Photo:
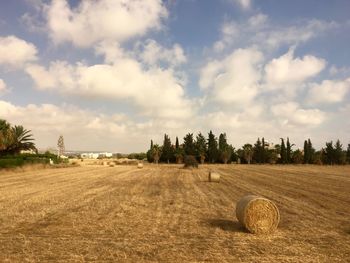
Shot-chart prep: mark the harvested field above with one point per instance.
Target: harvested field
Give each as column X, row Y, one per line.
column 169, row 214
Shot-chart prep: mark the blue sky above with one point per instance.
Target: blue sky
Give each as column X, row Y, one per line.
column 111, row 74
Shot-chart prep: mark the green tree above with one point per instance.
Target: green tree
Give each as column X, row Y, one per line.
column 177, row 143
column 289, row 151
column 306, row 152
column 189, row 145
column 297, row 157
column 329, row 153
column 263, row 151
column 283, row 152
column 271, row 156
column 5, row 135
column 339, row 155
column 156, row 153
column 179, row 155
column 150, row 153
column 15, row 139
column 348, row 154
column 311, row 151
column 225, row 150
column 257, row 151
column 201, row 147
column 212, row 148
column 167, row 150
column 248, row 152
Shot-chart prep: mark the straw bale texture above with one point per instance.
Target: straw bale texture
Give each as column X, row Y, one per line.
column 257, row 214
column 214, row 177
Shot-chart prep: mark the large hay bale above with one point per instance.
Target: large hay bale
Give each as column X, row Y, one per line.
column 139, row 165
column 214, row 177
column 257, row 214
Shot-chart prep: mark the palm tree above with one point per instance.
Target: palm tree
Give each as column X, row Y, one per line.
column 156, row 152
column 21, row 139
column 5, row 135
column 248, row 152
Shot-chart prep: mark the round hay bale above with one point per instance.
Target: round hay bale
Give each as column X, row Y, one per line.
column 214, row 177
column 140, row 165
column 257, row 214
column 104, row 163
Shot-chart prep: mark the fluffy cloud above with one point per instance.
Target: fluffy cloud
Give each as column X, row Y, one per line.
column 15, row 52
column 152, row 53
column 48, row 121
column 244, row 4
column 234, row 79
column 125, row 79
column 259, row 30
column 287, row 70
column 291, row 114
column 229, row 31
column 329, row 91
column 294, row 34
column 3, row 87
column 94, row 21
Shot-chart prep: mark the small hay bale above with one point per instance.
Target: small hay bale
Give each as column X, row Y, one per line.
column 214, row 177
column 111, row 164
column 140, row 165
column 257, row 214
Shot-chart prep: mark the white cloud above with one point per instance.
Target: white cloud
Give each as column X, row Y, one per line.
column 294, row 34
column 235, row 79
column 259, row 30
column 124, row 80
column 95, row 21
column 291, row 114
column 287, row 70
column 48, row 121
column 244, row 4
column 229, row 32
column 152, row 53
column 329, row 91
column 16, row 52
column 3, row 87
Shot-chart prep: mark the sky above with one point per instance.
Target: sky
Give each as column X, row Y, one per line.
column 110, row 75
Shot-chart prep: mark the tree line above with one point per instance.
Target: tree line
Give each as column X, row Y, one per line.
column 212, row 149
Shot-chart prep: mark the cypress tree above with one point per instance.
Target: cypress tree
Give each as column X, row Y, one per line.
column 329, row 153
column 189, row 146
column 212, row 147
column 283, row 152
column 257, row 151
column 306, row 152
column 348, row 154
column 224, row 149
column 263, row 151
column 149, row 153
column 338, row 153
column 288, row 152
column 167, row 150
column 177, row 143
column 311, row 151
column 201, row 147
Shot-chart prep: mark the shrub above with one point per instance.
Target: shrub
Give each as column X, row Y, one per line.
column 190, row 161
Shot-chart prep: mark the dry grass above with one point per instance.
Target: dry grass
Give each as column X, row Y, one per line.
column 169, row 214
